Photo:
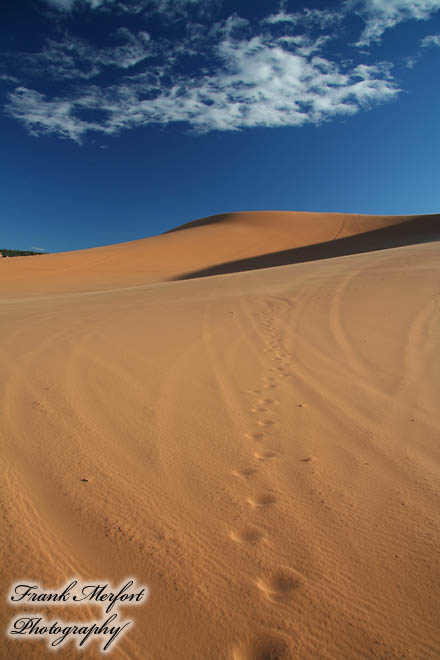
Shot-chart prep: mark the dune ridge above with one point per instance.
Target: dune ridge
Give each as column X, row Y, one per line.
column 260, row 448
column 218, row 244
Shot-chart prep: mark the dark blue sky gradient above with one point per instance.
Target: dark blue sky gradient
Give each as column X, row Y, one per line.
column 60, row 195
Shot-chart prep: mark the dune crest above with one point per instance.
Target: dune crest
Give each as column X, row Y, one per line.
column 219, row 244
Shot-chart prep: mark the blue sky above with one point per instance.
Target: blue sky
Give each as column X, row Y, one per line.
column 123, row 118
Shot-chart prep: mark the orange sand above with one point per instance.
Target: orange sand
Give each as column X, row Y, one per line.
column 261, row 447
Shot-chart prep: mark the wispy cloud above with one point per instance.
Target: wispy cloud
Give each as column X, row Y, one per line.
column 40, row 116
column 323, row 18
column 430, row 40
column 411, row 61
column 169, row 8
column 61, row 5
column 72, row 58
column 256, row 82
column 37, row 249
column 381, row 15
column 68, row 5
column 222, row 75
column 7, row 78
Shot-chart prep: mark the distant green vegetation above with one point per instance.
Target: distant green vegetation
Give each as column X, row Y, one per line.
column 18, row 253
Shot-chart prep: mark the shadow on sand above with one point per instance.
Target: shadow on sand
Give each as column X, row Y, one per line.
column 420, row 229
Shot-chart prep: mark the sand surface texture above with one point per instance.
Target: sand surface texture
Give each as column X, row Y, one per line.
column 260, row 447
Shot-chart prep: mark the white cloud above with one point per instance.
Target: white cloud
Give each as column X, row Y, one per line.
column 256, row 82
column 322, row 18
column 37, row 249
column 224, row 75
column 41, row 116
column 169, row 8
column 68, row 5
column 61, row 5
column 381, row 15
column 7, row 78
column 411, row 61
column 74, row 59
column 431, row 40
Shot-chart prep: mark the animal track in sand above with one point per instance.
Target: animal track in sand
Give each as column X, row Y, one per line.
column 266, row 422
column 309, row 459
column 266, row 455
column 248, row 535
column 258, row 409
column 269, row 402
column 258, row 435
column 265, row 647
column 263, row 500
column 280, row 585
column 244, row 473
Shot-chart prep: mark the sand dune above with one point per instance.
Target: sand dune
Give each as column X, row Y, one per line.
column 211, row 246
column 261, row 448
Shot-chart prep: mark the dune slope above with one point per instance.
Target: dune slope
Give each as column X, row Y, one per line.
column 211, row 246
column 260, row 448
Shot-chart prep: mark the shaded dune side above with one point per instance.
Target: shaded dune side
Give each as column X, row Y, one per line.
column 422, row 229
column 218, row 244
column 200, row 222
